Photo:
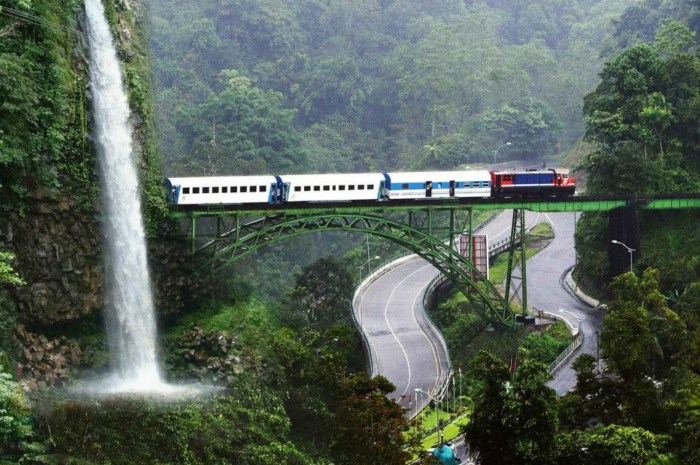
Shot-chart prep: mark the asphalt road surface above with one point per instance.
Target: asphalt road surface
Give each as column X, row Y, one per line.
column 547, row 291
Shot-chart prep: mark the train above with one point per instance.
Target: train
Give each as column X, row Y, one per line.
column 369, row 187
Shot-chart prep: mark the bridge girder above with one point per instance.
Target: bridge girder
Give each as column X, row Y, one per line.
column 246, row 237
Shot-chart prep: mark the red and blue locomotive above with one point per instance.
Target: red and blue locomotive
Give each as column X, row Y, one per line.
column 532, row 183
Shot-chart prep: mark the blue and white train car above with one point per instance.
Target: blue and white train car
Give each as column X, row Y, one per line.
column 333, row 187
column 438, row 184
column 225, row 190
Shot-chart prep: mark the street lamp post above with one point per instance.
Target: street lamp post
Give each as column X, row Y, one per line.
column 496, row 151
column 368, row 264
column 460, row 387
column 630, row 250
column 435, row 403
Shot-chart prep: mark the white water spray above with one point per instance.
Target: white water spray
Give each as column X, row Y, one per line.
column 130, row 317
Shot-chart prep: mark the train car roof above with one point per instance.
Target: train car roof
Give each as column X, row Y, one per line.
column 523, row 170
column 440, row 176
column 209, row 180
column 335, row 177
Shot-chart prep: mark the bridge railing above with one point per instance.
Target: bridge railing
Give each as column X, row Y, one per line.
column 578, row 340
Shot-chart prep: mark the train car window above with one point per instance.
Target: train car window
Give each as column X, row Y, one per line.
column 253, row 188
column 360, row 187
column 326, row 188
column 370, row 186
column 244, row 188
column 333, row 187
column 263, row 188
column 317, row 188
column 404, row 186
column 224, row 190
column 214, row 190
column 307, row 188
column 234, row 189
column 341, row 188
column 185, row 190
column 205, row 190
column 351, row 187
column 297, row 188
column 195, row 190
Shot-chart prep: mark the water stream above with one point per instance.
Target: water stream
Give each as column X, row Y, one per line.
column 129, row 314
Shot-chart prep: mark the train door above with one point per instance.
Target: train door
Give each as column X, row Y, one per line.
column 173, row 193
column 452, row 188
column 279, row 191
column 382, row 194
column 428, row 188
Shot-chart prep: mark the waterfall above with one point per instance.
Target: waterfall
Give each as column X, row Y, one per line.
column 129, row 314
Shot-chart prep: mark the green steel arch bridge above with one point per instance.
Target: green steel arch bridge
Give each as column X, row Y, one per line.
column 221, row 234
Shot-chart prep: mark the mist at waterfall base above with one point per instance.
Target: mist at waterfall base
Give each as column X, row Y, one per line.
column 129, row 315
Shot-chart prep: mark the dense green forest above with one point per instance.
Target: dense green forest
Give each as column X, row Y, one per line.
column 353, row 86
column 262, row 86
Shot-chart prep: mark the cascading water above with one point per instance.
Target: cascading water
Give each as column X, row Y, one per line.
column 130, row 317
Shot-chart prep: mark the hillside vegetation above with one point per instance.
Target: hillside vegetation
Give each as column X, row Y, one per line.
column 249, row 87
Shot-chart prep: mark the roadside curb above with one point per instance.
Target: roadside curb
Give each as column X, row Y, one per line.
column 582, row 296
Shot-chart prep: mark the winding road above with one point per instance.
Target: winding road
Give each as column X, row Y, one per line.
column 404, row 345
column 408, row 350
column 547, row 291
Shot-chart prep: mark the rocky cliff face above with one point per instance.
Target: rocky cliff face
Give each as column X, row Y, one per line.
column 59, row 255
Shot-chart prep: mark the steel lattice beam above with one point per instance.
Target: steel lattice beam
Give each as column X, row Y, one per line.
column 249, row 237
column 516, row 283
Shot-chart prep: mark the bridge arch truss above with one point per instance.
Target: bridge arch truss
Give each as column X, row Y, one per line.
column 245, row 234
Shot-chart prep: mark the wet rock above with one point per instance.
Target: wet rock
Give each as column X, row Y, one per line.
column 44, row 362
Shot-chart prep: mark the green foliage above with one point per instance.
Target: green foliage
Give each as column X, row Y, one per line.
column 7, row 274
column 15, row 421
column 321, row 297
column 369, row 426
column 528, row 124
column 671, row 246
column 246, row 425
column 546, row 347
column 613, row 445
column 42, row 114
column 640, row 333
column 688, row 305
column 685, row 437
column 373, row 83
column 239, row 130
column 640, row 117
column 515, row 419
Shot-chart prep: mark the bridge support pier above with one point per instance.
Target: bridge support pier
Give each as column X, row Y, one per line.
column 516, row 276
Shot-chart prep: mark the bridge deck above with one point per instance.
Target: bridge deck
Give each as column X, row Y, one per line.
column 572, row 204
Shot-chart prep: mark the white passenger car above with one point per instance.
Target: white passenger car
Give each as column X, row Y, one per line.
column 438, row 184
column 333, row 187
column 224, row 190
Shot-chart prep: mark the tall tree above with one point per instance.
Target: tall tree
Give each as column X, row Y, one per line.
column 240, row 130
column 369, row 426
column 322, row 295
column 611, row 445
column 515, row 420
